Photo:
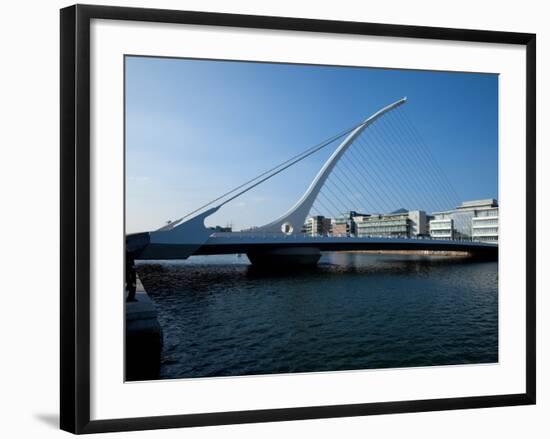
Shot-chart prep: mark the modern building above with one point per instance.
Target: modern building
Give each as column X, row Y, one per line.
column 442, row 228
column 345, row 225
column 459, row 220
column 477, row 219
column 419, row 223
column 485, row 225
column 317, row 226
column 398, row 224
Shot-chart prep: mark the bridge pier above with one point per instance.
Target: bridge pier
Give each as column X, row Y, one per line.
column 285, row 257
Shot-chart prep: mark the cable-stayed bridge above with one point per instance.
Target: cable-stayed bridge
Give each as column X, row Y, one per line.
column 381, row 164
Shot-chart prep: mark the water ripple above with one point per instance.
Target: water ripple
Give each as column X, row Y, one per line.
column 222, row 317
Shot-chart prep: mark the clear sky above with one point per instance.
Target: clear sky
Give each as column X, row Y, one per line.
column 196, row 128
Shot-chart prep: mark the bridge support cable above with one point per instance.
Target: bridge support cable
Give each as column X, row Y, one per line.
column 385, row 168
column 412, row 176
column 382, row 173
column 462, row 222
column 339, row 210
column 329, row 196
column 341, row 193
column 343, row 198
column 382, row 164
column 324, row 207
column 374, row 170
column 394, row 164
column 372, row 179
column 353, row 185
column 350, row 186
column 365, row 177
column 419, row 175
column 346, row 202
column 445, row 199
column 391, row 165
column 336, row 180
column 297, row 214
column 363, row 181
column 434, row 163
column 266, row 175
column 423, row 174
column 362, row 177
column 407, row 123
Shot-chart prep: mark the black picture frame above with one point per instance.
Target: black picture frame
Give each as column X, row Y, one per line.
column 75, row 217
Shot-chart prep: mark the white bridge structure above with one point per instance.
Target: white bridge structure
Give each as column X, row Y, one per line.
column 282, row 241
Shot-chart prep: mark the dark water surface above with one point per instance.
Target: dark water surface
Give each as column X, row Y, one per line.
column 221, row 317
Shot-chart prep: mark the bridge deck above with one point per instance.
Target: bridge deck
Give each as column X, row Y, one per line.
column 234, row 243
column 227, row 244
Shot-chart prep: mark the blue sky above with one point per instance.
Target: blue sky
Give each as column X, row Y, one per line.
column 196, row 128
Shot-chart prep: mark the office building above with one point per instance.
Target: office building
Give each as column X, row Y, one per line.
column 345, row 225
column 485, row 225
column 477, row 219
column 317, row 226
column 442, row 228
column 399, row 224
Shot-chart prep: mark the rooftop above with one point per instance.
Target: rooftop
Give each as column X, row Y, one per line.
column 488, row 202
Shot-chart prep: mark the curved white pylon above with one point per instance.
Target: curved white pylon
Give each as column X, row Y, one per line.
column 181, row 238
column 295, row 217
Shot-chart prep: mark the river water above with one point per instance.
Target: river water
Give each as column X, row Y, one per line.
column 222, row 317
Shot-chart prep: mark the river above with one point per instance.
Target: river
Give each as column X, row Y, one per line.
column 222, row 317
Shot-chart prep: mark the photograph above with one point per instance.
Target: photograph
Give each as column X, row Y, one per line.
column 297, row 218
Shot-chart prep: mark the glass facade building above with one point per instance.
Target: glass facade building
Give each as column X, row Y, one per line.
column 477, row 220
column 401, row 224
column 317, row 226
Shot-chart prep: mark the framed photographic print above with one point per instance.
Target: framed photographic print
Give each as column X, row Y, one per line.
column 268, row 218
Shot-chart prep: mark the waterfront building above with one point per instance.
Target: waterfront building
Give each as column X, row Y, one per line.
column 477, row 219
column 442, row 228
column 398, row 224
column 317, row 226
column 345, row 225
column 485, row 225
column 419, row 223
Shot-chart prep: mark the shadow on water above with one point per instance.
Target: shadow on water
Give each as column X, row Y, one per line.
column 201, row 275
column 282, row 271
column 362, row 264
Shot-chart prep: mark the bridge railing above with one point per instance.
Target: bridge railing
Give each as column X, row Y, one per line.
column 294, row 236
